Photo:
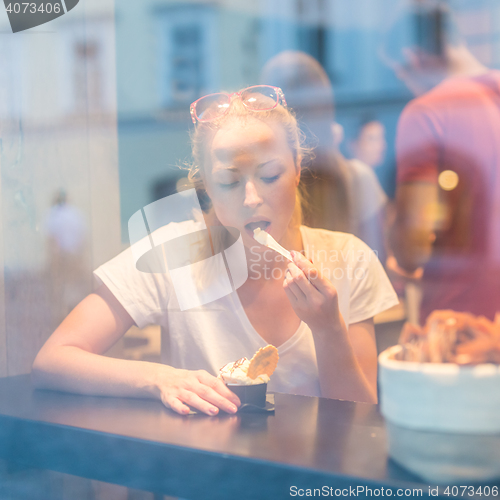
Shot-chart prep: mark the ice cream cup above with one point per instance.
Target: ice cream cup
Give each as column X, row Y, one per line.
column 250, row 394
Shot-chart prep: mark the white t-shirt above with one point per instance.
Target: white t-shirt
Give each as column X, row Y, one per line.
column 209, row 336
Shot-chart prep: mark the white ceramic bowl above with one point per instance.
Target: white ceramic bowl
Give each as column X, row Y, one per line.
column 443, row 419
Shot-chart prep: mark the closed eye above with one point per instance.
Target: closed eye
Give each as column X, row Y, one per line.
column 269, row 180
column 229, row 185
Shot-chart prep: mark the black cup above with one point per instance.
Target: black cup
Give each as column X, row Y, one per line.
column 250, row 394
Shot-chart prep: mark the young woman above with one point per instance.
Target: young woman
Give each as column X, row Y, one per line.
column 317, row 310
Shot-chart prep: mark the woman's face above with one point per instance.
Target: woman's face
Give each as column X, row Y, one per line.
column 371, row 145
column 252, row 178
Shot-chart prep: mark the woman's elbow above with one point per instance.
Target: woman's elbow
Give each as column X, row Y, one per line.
column 41, row 369
column 38, row 370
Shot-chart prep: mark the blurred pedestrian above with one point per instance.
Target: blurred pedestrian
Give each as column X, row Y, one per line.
column 368, row 143
column 448, row 170
column 66, row 234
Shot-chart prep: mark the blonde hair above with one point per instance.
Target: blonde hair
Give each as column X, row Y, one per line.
column 203, row 135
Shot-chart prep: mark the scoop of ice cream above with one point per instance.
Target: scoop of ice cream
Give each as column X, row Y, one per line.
column 260, row 236
column 236, row 373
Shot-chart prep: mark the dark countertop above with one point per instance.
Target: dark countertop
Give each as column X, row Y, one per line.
column 307, row 443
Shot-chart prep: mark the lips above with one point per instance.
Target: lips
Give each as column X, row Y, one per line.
column 262, row 224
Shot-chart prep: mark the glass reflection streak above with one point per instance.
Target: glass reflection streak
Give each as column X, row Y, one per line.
column 203, row 264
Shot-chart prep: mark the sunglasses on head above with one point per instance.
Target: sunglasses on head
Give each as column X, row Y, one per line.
column 256, row 98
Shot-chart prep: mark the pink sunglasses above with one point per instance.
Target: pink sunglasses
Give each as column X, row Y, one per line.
column 256, row 98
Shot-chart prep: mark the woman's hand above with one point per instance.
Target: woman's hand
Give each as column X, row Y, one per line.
column 180, row 389
column 347, row 369
column 313, row 298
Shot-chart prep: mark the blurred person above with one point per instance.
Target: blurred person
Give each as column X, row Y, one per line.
column 66, row 232
column 346, row 195
column 367, row 147
column 247, row 165
column 368, row 144
column 448, row 170
column 310, row 94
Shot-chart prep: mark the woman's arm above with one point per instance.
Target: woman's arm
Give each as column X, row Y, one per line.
column 347, row 357
column 347, row 362
column 71, row 360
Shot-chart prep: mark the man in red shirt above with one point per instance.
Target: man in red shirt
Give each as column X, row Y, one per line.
column 448, row 166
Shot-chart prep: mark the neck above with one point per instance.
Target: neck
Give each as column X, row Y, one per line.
column 461, row 62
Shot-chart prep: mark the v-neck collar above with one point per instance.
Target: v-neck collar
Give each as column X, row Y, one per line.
column 240, row 311
column 247, row 324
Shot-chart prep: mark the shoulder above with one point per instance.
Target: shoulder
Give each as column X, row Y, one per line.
column 454, row 89
column 142, row 244
column 137, row 276
column 325, row 236
column 353, row 267
column 323, row 239
column 177, row 229
column 359, row 169
column 424, row 105
column 363, row 172
column 421, row 121
column 439, row 97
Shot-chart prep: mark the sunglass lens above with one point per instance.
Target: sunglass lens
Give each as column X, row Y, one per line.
column 260, row 98
column 211, row 107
